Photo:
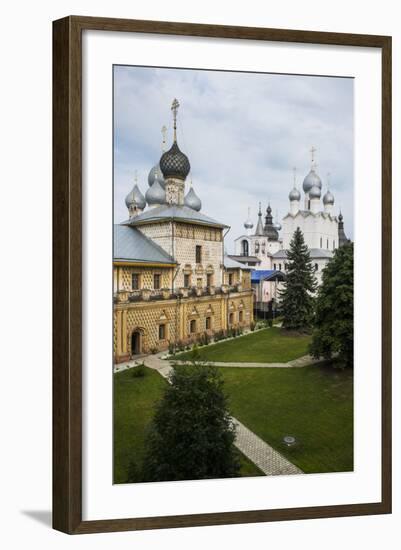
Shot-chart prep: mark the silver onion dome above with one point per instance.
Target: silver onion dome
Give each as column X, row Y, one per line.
column 328, row 198
column 314, row 192
column 156, row 170
column 248, row 223
column 135, row 196
column 294, row 195
column 192, row 200
column 311, row 180
column 156, row 194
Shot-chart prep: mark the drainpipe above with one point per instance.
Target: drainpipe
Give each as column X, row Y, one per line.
column 222, row 259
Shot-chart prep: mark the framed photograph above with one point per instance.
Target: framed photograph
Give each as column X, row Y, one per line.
column 222, row 274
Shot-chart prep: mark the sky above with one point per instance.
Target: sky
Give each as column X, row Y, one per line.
column 243, row 134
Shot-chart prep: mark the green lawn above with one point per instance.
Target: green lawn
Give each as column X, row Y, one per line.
column 272, row 345
column 314, row 404
column 134, row 401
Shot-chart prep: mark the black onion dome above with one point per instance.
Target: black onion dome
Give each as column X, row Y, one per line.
column 174, row 163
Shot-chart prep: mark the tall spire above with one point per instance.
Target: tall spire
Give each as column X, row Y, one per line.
column 269, row 230
column 259, row 227
column 342, row 237
column 174, row 108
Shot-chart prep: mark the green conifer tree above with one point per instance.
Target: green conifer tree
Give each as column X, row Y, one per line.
column 192, row 435
column 334, row 323
column 297, row 297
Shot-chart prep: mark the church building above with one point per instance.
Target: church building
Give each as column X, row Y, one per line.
column 265, row 249
column 172, row 280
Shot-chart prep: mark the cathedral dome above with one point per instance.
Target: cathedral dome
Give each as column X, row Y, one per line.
column 152, row 176
column 135, row 196
column 174, row 163
column 192, row 200
column 294, row 195
column 248, row 223
column 314, row 192
column 328, row 198
column 311, row 180
column 156, row 194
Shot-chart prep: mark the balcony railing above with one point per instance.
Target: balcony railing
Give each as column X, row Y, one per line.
column 147, row 295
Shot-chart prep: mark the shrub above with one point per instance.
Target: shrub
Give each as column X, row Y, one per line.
column 153, row 350
column 171, row 348
column 139, row 371
column 252, row 326
column 195, row 353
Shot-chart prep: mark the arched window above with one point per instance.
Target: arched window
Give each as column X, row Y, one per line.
column 245, row 248
column 316, row 267
column 256, row 247
column 192, row 326
column 321, row 242
column 327, row 244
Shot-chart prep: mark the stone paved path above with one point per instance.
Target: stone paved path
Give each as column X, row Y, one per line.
column 258, row 451
column 300, row 362
column 265, row 457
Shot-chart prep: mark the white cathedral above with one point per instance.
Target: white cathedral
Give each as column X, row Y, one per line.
column 265, row 248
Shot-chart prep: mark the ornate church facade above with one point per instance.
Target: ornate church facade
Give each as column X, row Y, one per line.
column 172, row 280
column 265, row 248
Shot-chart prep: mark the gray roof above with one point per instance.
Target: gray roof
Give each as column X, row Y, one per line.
column 229, row 263
column 241, row 258
column 313, row 252
column 173, row 212
column 132, row 246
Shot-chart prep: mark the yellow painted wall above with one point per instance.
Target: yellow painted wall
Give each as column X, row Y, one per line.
column 145, row 318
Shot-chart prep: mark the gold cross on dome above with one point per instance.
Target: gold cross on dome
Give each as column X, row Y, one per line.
column 295, row 175
column 136, row 176
column 313, row 151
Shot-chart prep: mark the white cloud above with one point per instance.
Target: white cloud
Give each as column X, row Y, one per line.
column 242, row 132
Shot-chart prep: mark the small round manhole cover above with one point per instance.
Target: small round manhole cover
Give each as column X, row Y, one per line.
column 289, row 440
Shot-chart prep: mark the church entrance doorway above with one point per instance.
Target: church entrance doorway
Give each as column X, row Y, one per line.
column 136, row 343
